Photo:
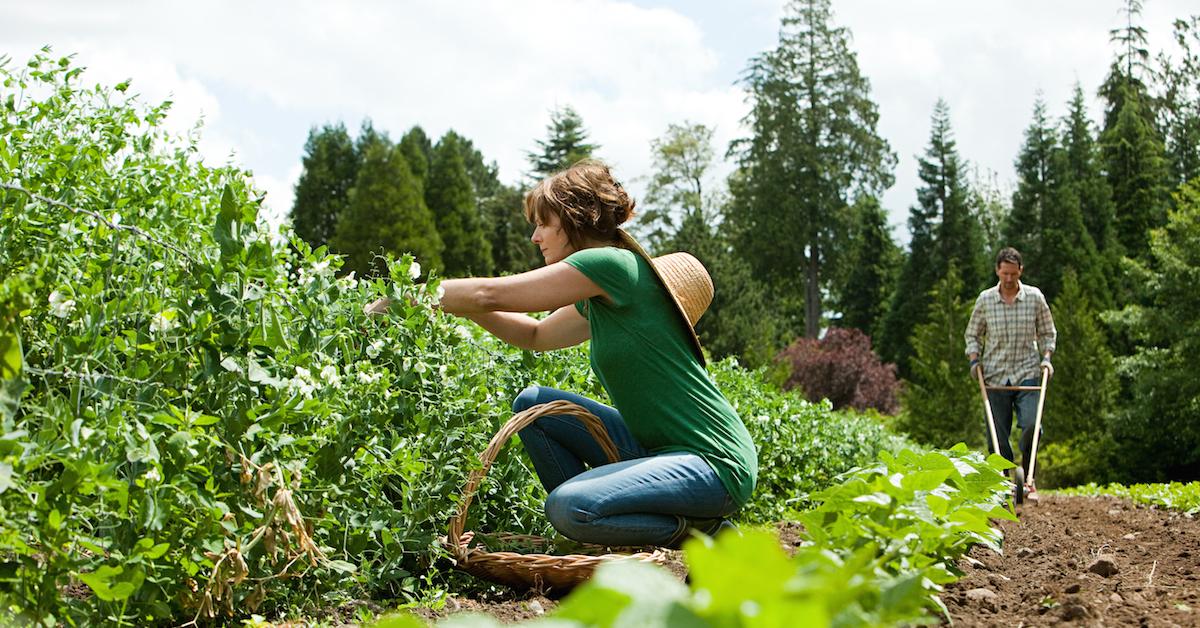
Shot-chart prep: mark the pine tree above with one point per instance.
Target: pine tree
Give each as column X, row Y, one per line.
column 814, row 147
column 946, row 235
column 1082, row 394
column 941, row 404
column 1181, row 103
column 450, row 196
column 330, row 167
column 418, row 153
column 386, row 213
column 1036, row 186
column 565, row 143
column 509, row 232
column 1090, row 188
column 1131, row 146
column 875, row 263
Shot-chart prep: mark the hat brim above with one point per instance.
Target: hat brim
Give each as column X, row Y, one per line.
column 628, row 242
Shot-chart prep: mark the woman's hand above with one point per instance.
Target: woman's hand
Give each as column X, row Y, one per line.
column 377, row 307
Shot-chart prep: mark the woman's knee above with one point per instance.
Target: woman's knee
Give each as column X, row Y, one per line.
column 569, row 511
column 527, row 399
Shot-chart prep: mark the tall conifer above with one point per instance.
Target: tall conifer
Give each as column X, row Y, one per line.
column 330, row 167
column 450, row 195
column 814, row 147
column 386, row 214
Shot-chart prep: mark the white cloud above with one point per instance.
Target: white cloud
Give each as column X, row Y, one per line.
column 262, row 73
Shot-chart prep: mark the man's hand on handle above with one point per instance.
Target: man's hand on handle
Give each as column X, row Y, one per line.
column 1048, row 367
column 975, row 368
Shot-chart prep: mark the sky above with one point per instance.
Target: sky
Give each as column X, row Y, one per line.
column 260, row 75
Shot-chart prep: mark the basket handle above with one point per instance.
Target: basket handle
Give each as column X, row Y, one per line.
column 518, row 422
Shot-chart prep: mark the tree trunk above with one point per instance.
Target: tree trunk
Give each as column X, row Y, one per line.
column 812, row 294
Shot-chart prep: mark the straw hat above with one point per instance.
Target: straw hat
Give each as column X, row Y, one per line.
column 685, row 279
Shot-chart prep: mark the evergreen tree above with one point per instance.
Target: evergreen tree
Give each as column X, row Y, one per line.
column 1158, row 430
column 941, row 404
column 1091, row 190
column 946, row 235
column 1046, row 223
column 508, row 232
column 874, row 265
column 418, row 153
column 386, row 213
column 1181, row 103
column 450, row 195
column 1131, row 146
column 1082, row 394
column 1036, row 185
column 741, row 321
column 814, row 146
column 330, row 167
column 565, row 143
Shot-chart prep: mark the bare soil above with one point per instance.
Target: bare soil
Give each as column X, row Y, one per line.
column 1087, row 562
column 1077, row 561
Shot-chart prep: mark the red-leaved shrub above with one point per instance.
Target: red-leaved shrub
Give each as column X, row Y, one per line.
column 842, row 368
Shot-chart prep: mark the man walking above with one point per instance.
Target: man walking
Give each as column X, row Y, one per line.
column 1012, row 327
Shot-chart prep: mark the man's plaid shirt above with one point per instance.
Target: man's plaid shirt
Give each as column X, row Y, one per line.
column 1010, row 334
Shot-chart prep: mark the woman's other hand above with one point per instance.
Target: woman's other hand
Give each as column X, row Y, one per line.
column 377, row 307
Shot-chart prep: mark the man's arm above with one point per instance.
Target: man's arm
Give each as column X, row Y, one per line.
column 1047, row 334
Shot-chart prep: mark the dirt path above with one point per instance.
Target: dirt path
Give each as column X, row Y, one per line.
column 1084, row 561
column 1078, row 561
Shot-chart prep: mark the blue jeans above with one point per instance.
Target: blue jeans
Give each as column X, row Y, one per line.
column 645, row 499
column 1003, row 403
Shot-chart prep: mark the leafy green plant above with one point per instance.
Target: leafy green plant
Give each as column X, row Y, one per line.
column 877, row 551
column 1184, row 496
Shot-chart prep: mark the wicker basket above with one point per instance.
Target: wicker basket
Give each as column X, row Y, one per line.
column 543, row 572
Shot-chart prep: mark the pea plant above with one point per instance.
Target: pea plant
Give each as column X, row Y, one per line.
column 198, row 421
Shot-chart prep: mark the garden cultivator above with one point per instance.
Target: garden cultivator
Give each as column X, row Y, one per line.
column 1019, row 478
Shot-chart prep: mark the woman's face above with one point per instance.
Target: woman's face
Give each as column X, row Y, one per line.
column 549, row 236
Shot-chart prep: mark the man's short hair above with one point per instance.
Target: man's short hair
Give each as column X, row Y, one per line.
column 1010, row 255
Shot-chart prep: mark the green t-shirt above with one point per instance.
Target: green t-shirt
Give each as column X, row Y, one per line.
column 643, row 357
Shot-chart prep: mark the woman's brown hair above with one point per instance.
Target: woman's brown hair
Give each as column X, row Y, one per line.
column 589, row 202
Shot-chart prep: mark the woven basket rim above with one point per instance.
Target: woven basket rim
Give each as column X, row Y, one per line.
column 532, row 569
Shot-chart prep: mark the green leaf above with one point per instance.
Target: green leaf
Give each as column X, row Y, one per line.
column 11, row 358
column 112, row 584
column 5, row 476
column 342, row 566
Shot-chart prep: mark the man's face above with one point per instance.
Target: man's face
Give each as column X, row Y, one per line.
column 1009, row 273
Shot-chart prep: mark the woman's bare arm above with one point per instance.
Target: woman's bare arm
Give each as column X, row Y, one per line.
column 564, row 328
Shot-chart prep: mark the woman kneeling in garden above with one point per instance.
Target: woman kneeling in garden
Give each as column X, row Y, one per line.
column 687, row 461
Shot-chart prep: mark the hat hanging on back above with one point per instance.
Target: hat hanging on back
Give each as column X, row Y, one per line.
column 685, row 279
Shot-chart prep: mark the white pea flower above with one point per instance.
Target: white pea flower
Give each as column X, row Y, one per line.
column 464, row 332
column 374, row 348
column 442, row 370
column 164, row 322
column 153, row 475
column 414, row 270
column 116, row 219
column 156, row 265
column 441, row 292
column 330, row 376
column 303, row 373
column 321, row 266
column 368, row 378
column 61, row 306
column 348, row 282
column 420, row 367
column 67, row 230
